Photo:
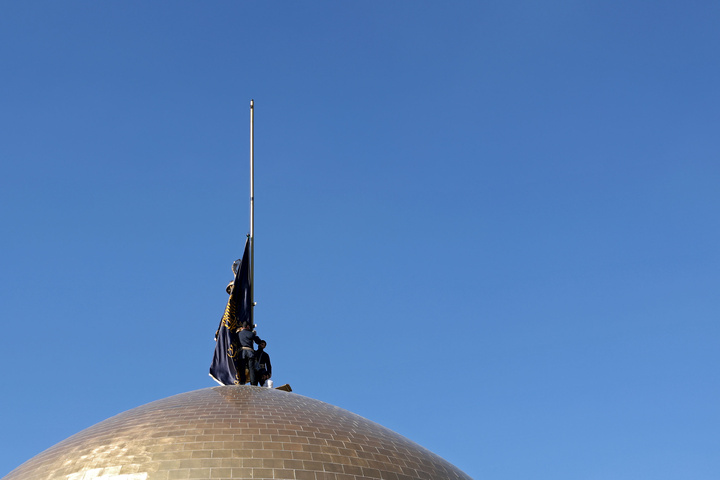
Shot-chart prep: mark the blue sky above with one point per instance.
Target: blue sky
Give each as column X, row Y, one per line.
column 489, row 226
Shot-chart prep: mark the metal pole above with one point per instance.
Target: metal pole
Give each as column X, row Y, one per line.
column 252, row 213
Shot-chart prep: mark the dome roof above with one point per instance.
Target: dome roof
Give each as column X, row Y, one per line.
column 236, row 432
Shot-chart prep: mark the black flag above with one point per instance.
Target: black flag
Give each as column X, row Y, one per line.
column 237, row 311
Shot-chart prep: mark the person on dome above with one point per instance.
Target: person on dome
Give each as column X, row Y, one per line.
column 264, row 371
column 247, row 337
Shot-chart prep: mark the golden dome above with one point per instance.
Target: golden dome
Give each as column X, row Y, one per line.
column 236, row 433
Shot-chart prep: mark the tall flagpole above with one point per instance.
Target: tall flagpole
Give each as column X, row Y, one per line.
column 252, row 213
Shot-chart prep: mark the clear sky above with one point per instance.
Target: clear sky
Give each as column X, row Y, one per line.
column 489, row 226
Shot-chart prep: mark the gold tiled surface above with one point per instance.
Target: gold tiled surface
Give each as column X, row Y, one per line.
column 236, row 432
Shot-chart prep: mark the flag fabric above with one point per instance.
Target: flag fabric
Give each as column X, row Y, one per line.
column 237, row 311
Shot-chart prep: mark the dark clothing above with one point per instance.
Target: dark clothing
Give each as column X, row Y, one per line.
column 263, row 364
column 247, row 337
column 247, row 360
column 247, row 356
